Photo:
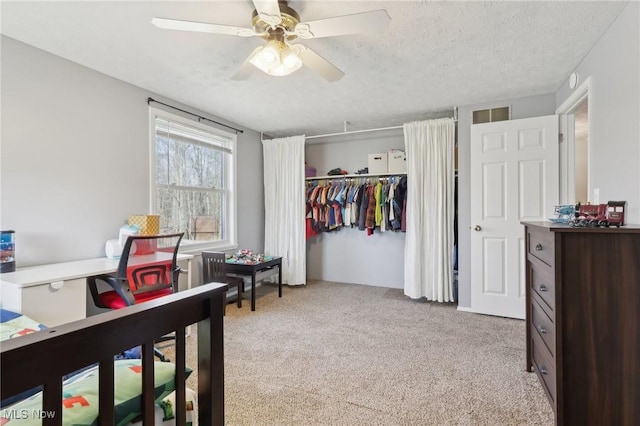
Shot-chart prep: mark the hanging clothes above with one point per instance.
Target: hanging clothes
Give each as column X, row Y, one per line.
column 378, row 208
column 403, row 215
column 334, row 205
column 385, row 207
column 370, row 219
column 364, row 204
column 348, row 205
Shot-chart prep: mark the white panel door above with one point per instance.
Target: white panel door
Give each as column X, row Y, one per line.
column 514, row 177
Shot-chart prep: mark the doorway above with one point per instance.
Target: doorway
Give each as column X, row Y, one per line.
column 575, row 184
column 581, row 151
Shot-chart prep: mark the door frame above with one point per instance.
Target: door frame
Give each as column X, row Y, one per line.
column 568, row 144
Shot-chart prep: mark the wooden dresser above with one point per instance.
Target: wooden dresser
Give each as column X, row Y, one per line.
column 583, row 321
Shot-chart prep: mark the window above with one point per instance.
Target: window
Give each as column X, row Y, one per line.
column 193, row 180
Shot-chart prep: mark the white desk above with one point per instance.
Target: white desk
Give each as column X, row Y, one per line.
column 57, row 293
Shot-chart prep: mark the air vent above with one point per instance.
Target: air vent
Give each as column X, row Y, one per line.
column 490, row 115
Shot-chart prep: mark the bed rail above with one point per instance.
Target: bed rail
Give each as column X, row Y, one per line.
column 43, row 358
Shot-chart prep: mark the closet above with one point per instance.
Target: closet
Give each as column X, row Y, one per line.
column 348, row 254
column 371, row 203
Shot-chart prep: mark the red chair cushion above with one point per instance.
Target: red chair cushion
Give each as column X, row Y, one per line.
column 113, row 301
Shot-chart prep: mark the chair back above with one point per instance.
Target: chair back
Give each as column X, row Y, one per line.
column 213, row 267
column 149, row 263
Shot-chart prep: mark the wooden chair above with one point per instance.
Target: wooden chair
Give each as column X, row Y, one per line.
column 213, row 270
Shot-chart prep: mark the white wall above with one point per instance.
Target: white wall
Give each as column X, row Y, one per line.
column 349, row 255
column 614, row 117
column 75, row 158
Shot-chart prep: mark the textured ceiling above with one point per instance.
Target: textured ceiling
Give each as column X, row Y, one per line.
column 431, row 57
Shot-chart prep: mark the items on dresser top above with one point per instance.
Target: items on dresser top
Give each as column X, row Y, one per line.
column 591, row 215
column 599, row 215
column 583, row 320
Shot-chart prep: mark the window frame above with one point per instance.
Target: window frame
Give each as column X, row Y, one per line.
column 230, row 231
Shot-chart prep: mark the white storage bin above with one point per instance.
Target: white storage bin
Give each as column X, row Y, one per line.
column 378, row 163
column 397, row 161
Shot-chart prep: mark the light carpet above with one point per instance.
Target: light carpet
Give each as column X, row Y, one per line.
column 347, row 354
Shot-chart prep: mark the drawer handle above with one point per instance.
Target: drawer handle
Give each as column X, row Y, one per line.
column 538, row 247
column 542, row 287
column 542, row 330
column 543, row 370
column 57, row 285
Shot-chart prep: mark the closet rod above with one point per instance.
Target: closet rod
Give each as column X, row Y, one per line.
column 351, row 132
column 200, row 118
column 364, row 175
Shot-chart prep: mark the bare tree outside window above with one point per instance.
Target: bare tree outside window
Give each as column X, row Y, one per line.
column 192, row 171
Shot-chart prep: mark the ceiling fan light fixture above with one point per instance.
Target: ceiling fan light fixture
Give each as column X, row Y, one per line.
column 276, row 58
column 290, row 59
column 269, row 53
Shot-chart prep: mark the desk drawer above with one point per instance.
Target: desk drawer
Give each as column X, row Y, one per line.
column 543, row 284
column 541, row 245
column 56, row 304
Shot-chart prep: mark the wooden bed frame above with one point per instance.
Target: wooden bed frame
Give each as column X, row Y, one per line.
column 43, row 358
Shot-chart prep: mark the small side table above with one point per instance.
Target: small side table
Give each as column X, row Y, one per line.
column 252, row 269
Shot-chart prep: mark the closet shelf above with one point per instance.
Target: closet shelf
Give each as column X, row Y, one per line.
column 365, row 175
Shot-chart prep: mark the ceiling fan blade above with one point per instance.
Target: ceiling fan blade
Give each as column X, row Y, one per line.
column 364, row 22
column 202, row 27
column 317, row 63
column 247, row 68
column 269, row 11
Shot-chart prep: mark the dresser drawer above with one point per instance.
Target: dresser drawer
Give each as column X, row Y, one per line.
column 543, row 284
column 544, row 326
column 541, row 245
column 544, row 365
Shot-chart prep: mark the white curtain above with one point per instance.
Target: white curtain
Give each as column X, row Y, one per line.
column 428, row 250
column 284, row 228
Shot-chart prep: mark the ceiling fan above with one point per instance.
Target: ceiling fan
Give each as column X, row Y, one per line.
column 279, row 24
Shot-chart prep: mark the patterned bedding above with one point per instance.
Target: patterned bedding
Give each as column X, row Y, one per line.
column 13, row 324
column 81, row 409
